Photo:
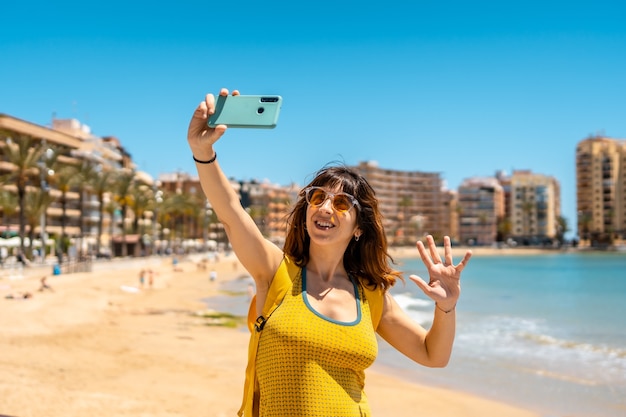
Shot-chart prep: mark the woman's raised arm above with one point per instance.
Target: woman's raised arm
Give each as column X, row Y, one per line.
column 259, row 256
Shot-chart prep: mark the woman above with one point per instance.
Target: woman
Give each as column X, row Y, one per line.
column 315, row 347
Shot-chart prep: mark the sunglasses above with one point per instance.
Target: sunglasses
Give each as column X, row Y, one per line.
column 342, row 202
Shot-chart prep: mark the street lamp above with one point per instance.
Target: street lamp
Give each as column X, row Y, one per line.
column 45, row 156
column 208, row 212
column 158, row 199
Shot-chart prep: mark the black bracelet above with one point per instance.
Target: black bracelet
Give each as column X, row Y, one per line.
column 210, row 161
column 445, row 311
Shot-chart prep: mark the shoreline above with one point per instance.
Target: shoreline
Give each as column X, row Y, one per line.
column 98, row 345
column 459, row 251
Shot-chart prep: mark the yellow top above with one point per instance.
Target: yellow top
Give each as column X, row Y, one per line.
column 310, row 365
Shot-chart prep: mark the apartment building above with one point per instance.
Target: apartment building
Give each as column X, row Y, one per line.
column 108, row 154
column 269, row 206
column 75, row 212
column 67, row 142
column 413, row 203
column 481, row 209
column 535, row 207
column 601, row 190
column 13, row 130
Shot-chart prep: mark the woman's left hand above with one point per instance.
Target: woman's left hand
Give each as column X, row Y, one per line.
column 444, row 286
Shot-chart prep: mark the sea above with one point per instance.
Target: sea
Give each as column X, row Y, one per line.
column 543, row 332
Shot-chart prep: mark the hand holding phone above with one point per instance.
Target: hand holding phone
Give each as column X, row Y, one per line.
column 246, row 111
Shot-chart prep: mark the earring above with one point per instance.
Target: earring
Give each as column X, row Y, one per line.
column 357, row 237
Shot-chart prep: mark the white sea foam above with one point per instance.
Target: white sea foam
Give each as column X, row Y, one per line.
column 407, row 301
column 418, row 309
column 538, row 329
column 532, row 345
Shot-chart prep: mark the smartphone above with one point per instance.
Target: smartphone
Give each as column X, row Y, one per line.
column 246, row 111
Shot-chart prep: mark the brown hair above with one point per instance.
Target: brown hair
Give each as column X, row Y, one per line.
column 366, row 259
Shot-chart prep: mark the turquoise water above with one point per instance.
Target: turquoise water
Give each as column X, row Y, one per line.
column 546, row 332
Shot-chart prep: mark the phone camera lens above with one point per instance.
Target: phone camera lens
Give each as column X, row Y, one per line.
column 260, row 110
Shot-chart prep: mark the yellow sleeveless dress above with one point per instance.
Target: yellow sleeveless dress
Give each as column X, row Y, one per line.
column 309, row 365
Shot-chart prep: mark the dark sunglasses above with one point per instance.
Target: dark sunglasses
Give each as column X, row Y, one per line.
column 342, row 202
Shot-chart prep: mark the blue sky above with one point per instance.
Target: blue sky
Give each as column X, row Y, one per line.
column 460, row 88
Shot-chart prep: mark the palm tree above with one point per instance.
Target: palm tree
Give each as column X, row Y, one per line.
column 177, row 207
column 37, row 202
column 504, row 228
column 85, row 175
column 561, row 229
column 198, row 215
column 142, row 200
column 140, row 203
column 24, row 158
column 123, row 196
column 64, row 179
column 259, row 215
column 8, row 205
column 585, row 219
column 110, row 208
column 102, row 184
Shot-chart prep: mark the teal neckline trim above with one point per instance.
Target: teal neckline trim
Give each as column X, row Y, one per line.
column 320, row 315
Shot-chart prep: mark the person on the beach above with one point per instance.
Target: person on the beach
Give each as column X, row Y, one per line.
column 44, row 284
column 314, row 348
column 19, row 295
column 151, row 278
column 142, row 278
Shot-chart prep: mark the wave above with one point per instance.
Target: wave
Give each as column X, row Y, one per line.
column 533, row 346
column 560, row 376
column 512, row 332
column 408, row 301
column 418, row 309
column 540, row 344
column 541, row 339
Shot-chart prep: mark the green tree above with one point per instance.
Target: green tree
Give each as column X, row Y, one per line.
column 122, row 188
column 63, row 179
column 503, row 229
column 8, row 206
column 259, row 215
column 110, row 207
column 194, row 216
column 101, row 185
column 24, row 158
column 85, row 177
column 140, row 203
column 561, row 229
column 584, row 225
column 37, row 202
column 177, row 207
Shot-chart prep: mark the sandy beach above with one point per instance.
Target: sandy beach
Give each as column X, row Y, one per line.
column 97, row 345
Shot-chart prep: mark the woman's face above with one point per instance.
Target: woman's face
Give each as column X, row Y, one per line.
column 331, row 216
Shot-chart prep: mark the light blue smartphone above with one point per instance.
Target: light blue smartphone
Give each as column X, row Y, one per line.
column 246, row 111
